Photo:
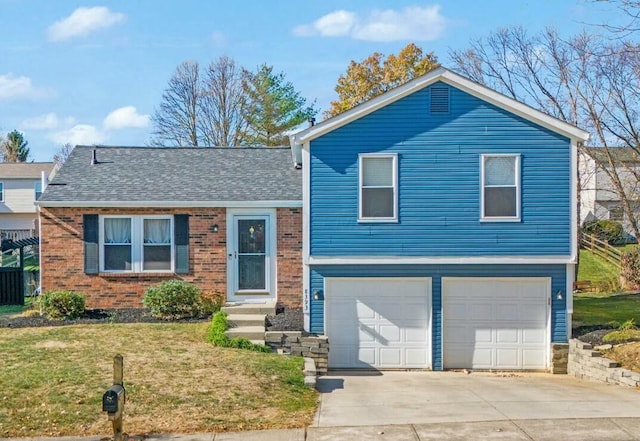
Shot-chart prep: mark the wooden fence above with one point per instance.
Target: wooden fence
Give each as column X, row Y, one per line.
column 602, row 249
column 11, row 286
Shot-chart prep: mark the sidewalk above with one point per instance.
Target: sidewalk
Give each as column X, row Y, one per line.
column 592, row 429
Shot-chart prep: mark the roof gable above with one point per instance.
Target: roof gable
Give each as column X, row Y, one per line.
column 454, row 80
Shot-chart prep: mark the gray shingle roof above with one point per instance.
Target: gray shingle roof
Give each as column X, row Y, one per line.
column 163, row 175
column 24, row 170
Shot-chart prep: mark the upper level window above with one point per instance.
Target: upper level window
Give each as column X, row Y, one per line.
column 38, row 189
column 378, row 187
column 500, row 176
column 1, row 191
column 136, row 243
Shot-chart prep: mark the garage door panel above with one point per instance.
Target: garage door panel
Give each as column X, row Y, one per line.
column 533, row 336
column 390, row 357
column 496, row 323
column 389, row 318
column 390, row 334
column 507, row 336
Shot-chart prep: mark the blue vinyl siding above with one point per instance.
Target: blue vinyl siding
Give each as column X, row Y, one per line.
column 557, row 273
column 439, row 183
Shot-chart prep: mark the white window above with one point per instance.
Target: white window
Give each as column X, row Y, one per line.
column 378, row 188
column 500, row 178
column 136, row 243
column 38, row 189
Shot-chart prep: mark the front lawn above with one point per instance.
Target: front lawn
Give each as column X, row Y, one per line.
column 590, row 309
column 52, row 380
column 596, row 270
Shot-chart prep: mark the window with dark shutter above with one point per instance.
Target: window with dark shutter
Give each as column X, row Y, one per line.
column 90, row 226
column 181, row 233
column 439, row 99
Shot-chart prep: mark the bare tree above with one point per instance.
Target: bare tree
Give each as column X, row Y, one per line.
column 586, row 80
column 62, row 154
column 223, row 104
column 176, row 120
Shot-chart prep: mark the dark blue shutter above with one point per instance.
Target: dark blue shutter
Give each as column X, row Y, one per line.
column 181, row 233
column 91, row 246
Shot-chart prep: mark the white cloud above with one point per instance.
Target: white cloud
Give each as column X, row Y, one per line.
column 335, row 24
column 80, row 134
column 48, row 121
column 125, row 117
column 414, row 23
column 12, row 86
column 218, row 39
column 84, row 21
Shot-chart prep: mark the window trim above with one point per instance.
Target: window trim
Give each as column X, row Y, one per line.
column 137, row 243
column 394, row 179
column 518, row 187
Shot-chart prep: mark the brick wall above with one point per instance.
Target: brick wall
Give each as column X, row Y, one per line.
column 588, row 364
column 62, row 256
column 289, row 257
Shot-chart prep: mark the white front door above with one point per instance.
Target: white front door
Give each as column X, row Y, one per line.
column 250, row 257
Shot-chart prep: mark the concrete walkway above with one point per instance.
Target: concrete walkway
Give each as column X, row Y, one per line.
column 598, row 429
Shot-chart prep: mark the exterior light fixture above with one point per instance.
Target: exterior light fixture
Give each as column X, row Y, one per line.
column 214, row 228
column 559, row 295
column 318, row 295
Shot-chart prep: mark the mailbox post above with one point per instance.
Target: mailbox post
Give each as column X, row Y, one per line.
column 114, row 398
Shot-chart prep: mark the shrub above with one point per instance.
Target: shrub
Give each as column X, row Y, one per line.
column 630, row 267
column 173, row 299
column 627, row 331
column 211, row 302
column 216, row 335
column 62, row 304
column 606, row 230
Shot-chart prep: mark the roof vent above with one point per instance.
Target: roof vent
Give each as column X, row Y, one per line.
column 439, row 99
column 94, row 157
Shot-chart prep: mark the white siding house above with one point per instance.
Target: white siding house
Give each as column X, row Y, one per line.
column 20, row 185
column 598, row 198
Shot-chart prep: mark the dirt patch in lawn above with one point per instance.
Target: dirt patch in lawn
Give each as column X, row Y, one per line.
column 627, row 355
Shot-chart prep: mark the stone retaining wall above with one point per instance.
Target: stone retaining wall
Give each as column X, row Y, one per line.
column 294, row 343
column 587, row 363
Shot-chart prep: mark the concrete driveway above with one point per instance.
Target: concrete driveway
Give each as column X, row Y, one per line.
column 363, row 398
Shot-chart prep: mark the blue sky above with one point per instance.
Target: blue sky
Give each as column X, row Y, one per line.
column 92, row 72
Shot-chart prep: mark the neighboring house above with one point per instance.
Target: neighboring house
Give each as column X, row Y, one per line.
column 116, row 220
column 598, row 197
column 20, row 186
column 440, row 229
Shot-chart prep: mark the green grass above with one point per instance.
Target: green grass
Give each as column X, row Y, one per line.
column 605, row 308
column 17, row 309
column 596, row 269
column 53, row 379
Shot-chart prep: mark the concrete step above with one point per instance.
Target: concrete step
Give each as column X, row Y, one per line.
column 236, row 320
column 248, row 332
column 250, row 308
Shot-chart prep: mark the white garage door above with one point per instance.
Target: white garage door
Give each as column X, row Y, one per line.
column 495, row 323
column 378, row 322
